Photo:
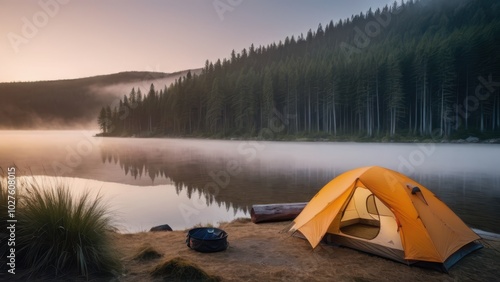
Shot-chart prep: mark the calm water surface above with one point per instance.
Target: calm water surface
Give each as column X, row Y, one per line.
column 184, row 182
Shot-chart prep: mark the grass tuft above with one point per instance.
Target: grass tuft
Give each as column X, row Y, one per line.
column 146, row 253
column 242, row 220
column 3, row 223
column 180, row 269
column 63, row 235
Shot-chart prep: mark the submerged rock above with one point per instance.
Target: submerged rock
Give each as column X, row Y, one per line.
column 472, row 139
column 493, row 141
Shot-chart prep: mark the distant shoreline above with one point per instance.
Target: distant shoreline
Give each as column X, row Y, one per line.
column 406, row 140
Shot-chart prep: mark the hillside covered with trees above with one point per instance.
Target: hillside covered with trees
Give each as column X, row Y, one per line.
column 69, row 103
column 428, row 68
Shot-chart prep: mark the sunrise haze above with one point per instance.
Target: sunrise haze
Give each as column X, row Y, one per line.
column 56, row 39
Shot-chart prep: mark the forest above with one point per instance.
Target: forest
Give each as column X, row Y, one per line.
column 416, row 69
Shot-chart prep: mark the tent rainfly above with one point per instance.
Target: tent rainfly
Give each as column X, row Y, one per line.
column 383, row 212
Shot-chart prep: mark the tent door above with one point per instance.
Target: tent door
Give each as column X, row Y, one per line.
column 361, row 217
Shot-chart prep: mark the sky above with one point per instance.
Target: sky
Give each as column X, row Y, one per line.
column 63, row 39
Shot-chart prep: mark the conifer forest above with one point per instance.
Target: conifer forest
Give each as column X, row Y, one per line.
column 417, row 69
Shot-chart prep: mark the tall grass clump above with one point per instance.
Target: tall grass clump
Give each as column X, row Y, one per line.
column 181, row 269
column 3, row 223
column 60, row 234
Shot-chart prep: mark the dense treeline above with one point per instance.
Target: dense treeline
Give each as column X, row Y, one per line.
column 416, row 68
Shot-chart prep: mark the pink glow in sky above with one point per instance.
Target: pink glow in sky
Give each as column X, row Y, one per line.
column 60, row 39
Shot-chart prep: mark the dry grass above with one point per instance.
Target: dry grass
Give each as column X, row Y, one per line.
column 262, row 252
column 147, row 253
column 237, row 220
column 181, row 269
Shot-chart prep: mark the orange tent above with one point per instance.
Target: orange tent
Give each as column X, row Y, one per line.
column 383, row 212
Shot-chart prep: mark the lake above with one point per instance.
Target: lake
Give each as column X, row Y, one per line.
column 184, row 182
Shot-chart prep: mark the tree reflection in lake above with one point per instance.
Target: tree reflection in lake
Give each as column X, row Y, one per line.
column 243, row 173
column 221, row 176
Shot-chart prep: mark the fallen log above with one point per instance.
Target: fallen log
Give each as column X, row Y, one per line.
column 275, row 212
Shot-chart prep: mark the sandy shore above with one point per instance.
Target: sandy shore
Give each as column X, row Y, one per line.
column 264, row 252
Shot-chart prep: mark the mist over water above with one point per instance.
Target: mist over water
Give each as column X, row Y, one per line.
column 73, row 103
column 117, row 90
column 230, row 176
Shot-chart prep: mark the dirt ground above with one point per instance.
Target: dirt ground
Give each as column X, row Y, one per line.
column 263, row 252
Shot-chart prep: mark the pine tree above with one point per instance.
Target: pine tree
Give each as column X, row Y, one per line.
column 102, row 120
column 394, row 93
column 267, row 100
column 214, row 108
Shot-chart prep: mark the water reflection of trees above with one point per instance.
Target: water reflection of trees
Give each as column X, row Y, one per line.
column 473, row 196
column 257, row 182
